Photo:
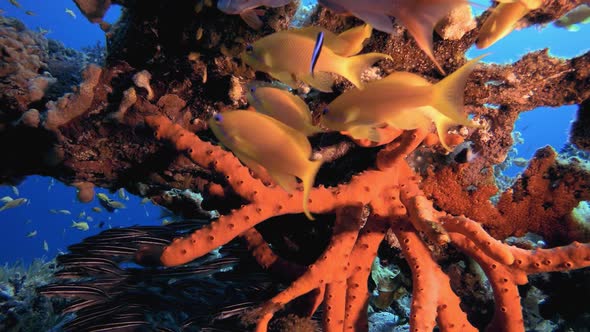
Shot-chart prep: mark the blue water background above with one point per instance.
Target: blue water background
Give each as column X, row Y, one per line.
column 540, row 127
column 51, row 15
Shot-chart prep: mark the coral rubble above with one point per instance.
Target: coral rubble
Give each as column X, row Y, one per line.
column 139, row 122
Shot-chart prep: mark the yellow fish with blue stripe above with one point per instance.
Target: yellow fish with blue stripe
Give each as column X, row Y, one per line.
column 347, row 43
column 402, row 100
column 287, row 56
column 259, row 140
column 283, row 106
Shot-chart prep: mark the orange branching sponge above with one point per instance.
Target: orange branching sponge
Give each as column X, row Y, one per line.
column 371, row 203
column 507, row 267
column 432, row 296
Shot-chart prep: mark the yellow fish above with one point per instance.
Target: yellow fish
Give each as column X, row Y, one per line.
column 418, row 16
column 503, row 20
column 287, row 56
column 81, row 225
column 13, row 203
column 96, row 209
column 261, row 141
column 103, row 197
column 116, row 205
column 402, row 100
column 283, row 106
column 347, row 43
column 580, row 14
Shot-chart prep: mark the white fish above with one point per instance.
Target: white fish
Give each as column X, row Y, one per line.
column 14, row 203
column 70, row 12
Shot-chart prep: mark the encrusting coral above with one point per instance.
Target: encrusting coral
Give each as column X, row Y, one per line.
column 405, row 186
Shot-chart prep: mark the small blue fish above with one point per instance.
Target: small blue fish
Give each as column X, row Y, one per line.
column 317, row 50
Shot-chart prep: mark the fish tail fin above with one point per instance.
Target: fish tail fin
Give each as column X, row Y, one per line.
column 500, row 23
column 308, row 179
column 354, row 39
column 420, row 21
column 448, row 99
column 354, row 67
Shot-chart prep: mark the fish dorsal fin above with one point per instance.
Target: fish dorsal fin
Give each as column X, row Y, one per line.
column 405, row 78
column 311, row 32
column 355, row 37
column 344, row 46
column 348, row 43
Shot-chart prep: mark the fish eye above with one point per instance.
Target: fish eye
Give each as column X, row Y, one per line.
column 253, row 89
column 218, row 117
column 325, row 111
column 249, row 48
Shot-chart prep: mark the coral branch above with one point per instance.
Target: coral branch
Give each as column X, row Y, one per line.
column 504, row 276
column 432, row 295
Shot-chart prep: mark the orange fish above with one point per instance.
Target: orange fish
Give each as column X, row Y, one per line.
column 418, row 16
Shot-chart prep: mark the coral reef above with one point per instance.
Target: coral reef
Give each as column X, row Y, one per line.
column 22, row 308
column 139, row 122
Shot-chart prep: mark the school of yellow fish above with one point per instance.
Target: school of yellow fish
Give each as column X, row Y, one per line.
column 273, row 137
